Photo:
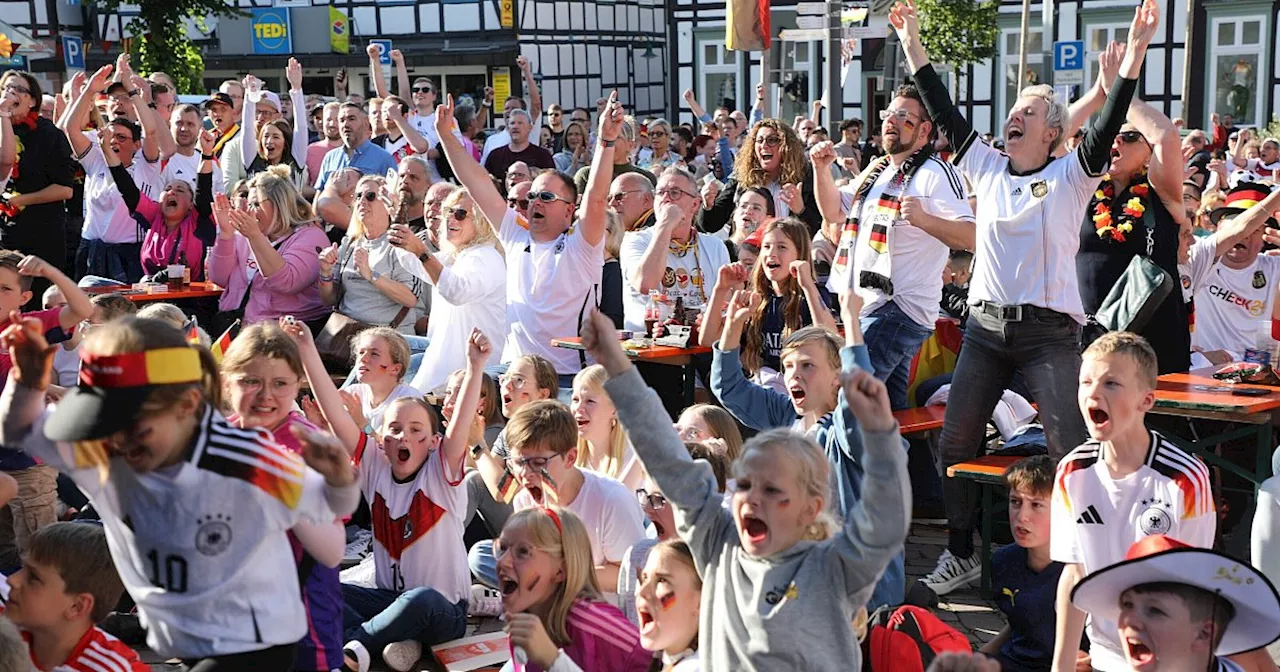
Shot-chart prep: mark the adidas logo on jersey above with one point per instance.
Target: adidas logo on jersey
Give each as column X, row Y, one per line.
column 1089, row 517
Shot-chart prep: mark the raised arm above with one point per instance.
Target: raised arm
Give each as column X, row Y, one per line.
column 402, row 75
column 802, row 271
column 249, row 121
column 593, row 218
column 293, row 73
column 825, row 191
column 692, row 101
column 8, row 145
column 410, row 132
column 1086, row 106
column 944, row 115
column 1166, row 166
column 326, row 394
column 73, row 122
column 535, row 97
column 471, row 174
column 457, row 436
column 1095, row 148
column 375, row 70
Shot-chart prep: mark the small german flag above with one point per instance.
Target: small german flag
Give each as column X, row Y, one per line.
column 219, row 347
column 191, row 330
column 508, row 486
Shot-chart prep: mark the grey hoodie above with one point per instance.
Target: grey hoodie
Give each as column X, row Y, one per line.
column 791, row 611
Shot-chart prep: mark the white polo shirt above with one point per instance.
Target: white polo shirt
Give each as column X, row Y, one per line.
column 1028, row 229
column 106, row 218
column 917, row 257
column 550, row 288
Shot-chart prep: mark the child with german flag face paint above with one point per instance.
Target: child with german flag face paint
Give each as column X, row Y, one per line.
column 196, row 510
column 667, row 600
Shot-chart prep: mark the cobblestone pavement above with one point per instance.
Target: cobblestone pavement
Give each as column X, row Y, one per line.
column 965, row 610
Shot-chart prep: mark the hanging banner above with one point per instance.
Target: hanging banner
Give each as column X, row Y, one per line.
column 339, row 31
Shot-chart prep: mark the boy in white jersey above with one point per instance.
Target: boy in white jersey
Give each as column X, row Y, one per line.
column 1177, row 606
column 1125, row 483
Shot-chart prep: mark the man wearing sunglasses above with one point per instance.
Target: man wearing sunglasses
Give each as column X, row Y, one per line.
column 631, row 197
column 554, row 266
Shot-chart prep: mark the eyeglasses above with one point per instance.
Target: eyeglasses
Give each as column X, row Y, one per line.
column 554, row 114
column 17, row 88
column 657, row 134
column 514, row 382
column 531, row 463
column 1130, row 137
column 770, row 140
column 423, row 89
column 548, row 197
column 619, row 196
column 370, row 196
column 458, row 213
column 654, row 500
column 673, row 193
column 899, row 114
column 253, row 384
column 253, row 205
column 521, row 203
column 690, row 433
column 580, row 120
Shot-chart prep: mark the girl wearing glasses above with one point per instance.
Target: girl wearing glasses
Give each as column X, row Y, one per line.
column 772, row 157
column 470, row 279
column 367, row 278
column 265, row 254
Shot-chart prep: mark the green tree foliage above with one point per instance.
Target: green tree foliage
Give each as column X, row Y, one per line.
column 959, row 33
column 160, row 38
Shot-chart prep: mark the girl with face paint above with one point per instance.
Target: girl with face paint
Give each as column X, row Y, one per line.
column 553, row 608
column 668, row 603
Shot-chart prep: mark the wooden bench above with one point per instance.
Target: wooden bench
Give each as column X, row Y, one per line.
column 920, row 420
column 988, row 472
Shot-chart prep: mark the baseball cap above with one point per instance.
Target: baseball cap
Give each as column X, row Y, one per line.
column 270, row 97
column 116, row 87
column 219, row 97
column 113, row 388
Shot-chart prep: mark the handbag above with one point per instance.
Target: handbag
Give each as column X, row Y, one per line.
column 334, row 340
column 1139, row 291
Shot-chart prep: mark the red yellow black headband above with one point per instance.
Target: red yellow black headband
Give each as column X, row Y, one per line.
column 164, row 366
column 1244, row 198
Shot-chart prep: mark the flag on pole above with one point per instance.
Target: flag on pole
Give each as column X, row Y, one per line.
column 747, row 25
column 219, row 347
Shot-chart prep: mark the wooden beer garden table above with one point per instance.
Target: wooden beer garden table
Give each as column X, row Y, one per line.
column 657, row 354
column 194, row 290
column 1197, row 394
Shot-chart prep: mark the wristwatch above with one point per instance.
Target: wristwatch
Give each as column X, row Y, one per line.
column 373, row 277
column 135, row 92
column 476, row 450
column 607, row 143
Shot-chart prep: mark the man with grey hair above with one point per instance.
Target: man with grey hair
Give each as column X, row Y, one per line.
column 627, row 139
column 631, row 196
column 1026, row 312
column 519, row 125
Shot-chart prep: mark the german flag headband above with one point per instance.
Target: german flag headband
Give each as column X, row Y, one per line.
column 165, row 366
column 1244, row 197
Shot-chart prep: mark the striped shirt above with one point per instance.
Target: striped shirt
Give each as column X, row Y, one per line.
column 1096, row 518
column 601, row 638
column 96, row 652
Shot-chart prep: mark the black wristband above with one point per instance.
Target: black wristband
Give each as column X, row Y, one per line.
column 607, row 143
column 476, row 450
column 207, row 157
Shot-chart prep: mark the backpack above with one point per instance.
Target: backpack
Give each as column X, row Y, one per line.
column 907, row 639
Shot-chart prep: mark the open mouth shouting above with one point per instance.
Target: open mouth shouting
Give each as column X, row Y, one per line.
column 755, row 530
column 1014, row 133
column 1098, row 418
column 1139, row 654
column 797, row 393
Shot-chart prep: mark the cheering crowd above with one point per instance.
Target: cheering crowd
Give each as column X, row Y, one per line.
column 380, row 443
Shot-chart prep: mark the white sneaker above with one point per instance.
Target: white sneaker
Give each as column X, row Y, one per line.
column 358, row 548
column 952, row 573
column 485, row 601
column 402, row 656
column 355, row 651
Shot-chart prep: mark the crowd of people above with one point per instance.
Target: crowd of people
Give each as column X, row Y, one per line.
column 380, row 443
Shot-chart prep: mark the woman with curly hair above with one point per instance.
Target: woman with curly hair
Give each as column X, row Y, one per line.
column 772, row 157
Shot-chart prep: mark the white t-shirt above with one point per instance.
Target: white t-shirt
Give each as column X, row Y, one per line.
column 181, row 167
column 690, row 277
column 1028, row 229
column 471, row 292
column 417, row 526
column 427, row 127
column 1230, row 303
column 550, row 288
column 106, row 218
column 917, row 257
column 373, row 414
column 1202, row 258
column 610, row 512
column 66, row 366
column 1095, row 518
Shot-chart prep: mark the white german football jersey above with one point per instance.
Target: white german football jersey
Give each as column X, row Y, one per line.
column 417, row 525
column 202, row 546
column 1096, row 518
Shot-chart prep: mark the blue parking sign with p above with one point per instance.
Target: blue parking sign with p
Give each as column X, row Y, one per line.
column 384, row 51
column 72, row 52
column 1068, row 55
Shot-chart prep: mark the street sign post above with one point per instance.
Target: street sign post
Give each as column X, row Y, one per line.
column 72, row 52
column 1068, row 62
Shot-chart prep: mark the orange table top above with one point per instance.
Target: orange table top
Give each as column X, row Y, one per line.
column 986, row 467
column 651, row 352
column 195, row 290
column 1198, row 390
column 920, row 419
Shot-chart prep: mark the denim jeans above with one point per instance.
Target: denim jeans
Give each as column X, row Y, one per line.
column 893, row 339
column 376, row 617
column 1045, row 348
column 484, row 565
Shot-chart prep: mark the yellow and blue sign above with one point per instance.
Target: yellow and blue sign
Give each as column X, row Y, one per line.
column 270, row 31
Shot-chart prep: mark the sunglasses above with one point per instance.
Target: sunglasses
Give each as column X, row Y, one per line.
column 423, row 89
column 771, row 140
column 1130, row 137
column 459, row 214
column 614, row 198
column 370, row 196
column 520, row 203
column 655, row 500
column 548, row 197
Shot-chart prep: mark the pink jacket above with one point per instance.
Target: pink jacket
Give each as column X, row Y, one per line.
column 290, row 291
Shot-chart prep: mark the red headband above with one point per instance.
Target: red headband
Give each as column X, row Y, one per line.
column 164, row 366
column 555, row 518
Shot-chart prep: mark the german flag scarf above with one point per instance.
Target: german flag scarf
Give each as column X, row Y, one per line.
column 874, row 264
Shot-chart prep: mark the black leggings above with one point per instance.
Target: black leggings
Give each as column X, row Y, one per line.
column 275, row 659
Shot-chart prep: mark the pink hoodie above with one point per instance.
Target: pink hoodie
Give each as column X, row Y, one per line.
column 290, row 291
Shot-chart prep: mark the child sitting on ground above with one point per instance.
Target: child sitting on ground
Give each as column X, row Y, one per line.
column 771, row 566
column 67, row 584
column 1026, row 579
column 1127, row 482
column 381, row 359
